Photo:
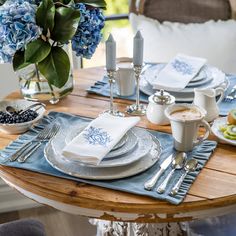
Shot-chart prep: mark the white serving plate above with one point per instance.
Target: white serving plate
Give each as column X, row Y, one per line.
column 93, row 173
column 19, row 104
column 215, row 130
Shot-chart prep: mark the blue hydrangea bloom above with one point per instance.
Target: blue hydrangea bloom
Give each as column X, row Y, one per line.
column 17, row 27
column 88, row 34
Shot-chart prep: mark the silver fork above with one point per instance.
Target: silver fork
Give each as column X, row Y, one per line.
column 231, row 96
column 15, row 155
column 42, row 138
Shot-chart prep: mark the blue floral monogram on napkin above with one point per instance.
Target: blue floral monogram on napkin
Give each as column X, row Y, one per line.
column 97, row 136
column 182, row 67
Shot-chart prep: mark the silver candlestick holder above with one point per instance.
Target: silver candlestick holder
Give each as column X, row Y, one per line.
column 111, row 79
column 137, row 109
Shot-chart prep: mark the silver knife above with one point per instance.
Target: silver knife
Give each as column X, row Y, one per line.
column 164, row 165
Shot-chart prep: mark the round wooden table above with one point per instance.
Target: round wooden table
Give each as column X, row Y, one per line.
column 213, row 193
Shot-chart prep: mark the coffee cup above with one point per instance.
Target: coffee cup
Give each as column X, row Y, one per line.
column 185, row 120
column 125, row 80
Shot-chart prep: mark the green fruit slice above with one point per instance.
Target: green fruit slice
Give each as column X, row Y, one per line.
column 231, row 130
column 228, row 136
column 223, row 128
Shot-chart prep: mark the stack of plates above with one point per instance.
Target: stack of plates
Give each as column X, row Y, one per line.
column 137, row 151
column 208, row 77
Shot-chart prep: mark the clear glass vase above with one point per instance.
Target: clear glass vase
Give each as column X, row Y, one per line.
column 35, row 87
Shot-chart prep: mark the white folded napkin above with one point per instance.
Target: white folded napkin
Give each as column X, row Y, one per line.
column 98, row 138
column 176, row 75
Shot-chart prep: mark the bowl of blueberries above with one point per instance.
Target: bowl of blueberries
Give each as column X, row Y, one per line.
column 17, row 116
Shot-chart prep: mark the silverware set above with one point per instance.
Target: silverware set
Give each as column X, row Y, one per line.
column 178, row 162
column 22, row 154
column 231, row 96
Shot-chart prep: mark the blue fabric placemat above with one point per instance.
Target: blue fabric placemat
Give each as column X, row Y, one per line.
column 133, row 184
column 102, row 88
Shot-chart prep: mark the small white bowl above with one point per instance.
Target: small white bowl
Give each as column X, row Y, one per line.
column 19, row 104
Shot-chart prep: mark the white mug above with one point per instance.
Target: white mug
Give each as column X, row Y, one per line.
column 125, row 79
column 184, row 131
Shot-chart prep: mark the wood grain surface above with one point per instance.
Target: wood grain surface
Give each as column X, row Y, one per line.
column 215, row 186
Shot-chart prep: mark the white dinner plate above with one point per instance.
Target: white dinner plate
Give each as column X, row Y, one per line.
column 143, row 146
column 126, row 144
column 215, row 129
column 73, row 131
column 121, row 142
column 146, row 88
column 196, row 84
column 151, row 72
column 200, row 76
column 215, row 78
column 86, row 172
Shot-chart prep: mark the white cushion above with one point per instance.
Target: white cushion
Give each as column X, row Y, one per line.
column 213, row 40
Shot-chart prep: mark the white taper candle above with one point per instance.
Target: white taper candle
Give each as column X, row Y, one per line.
column 110, row 53
column 138, row 49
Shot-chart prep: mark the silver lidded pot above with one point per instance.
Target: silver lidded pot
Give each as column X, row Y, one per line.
column 158, row 102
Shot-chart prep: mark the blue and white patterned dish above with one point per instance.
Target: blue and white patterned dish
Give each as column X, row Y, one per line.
column 76, row 169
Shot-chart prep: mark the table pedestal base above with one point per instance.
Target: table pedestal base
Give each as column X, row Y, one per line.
column 112, row 228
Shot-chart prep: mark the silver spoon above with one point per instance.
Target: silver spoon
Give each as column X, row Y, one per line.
column 177, row 164
column 190, row 165
column 10, row 109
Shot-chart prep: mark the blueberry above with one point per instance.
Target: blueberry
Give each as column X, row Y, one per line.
column 16, row 118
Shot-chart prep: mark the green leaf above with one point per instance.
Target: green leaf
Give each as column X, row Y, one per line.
column 56, row 67
column 19, row 61
column 65, row 2
column 66, row 22
column 2, row 2
column 45, row 15
column 37, row 50
column 94, row 3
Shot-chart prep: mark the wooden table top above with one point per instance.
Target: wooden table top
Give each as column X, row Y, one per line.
column 215, row 186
